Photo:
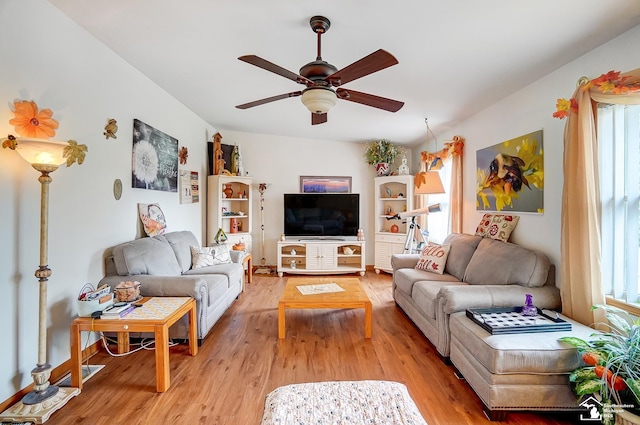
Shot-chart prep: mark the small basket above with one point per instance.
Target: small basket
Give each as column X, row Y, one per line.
column 128, row 291
column 87, row 308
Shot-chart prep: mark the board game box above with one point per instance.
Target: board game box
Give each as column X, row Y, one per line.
column 509, row 320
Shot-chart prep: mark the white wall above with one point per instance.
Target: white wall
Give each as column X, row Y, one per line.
column 49, row 59
column 528, row 110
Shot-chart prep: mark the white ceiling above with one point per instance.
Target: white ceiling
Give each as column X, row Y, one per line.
column 455, row 56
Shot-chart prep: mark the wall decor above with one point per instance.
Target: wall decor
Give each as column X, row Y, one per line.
column 153, row 219
column 111, row 129
column 154, row 159
column 510, row 175
column 117, row 189
column 183, row 154
column 189, row 187
column 328, row 184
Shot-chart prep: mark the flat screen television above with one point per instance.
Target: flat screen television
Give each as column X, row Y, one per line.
column 321, row 215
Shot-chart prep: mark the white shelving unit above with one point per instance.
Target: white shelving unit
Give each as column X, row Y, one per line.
column 321, row 257
column 222, row 209
column 393, row 194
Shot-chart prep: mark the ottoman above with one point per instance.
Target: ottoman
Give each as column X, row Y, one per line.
column 526, row 371
column 342, row 402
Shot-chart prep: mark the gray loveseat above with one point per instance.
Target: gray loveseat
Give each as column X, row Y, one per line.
column 162, row 265
column 479, row 273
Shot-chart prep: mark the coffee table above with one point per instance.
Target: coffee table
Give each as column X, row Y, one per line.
column 156, row 315
column 353, row 296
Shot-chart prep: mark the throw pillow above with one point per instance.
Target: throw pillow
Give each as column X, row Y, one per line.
column 497, row 226
column 209, row 255
column 433, row 258
column 152, row 219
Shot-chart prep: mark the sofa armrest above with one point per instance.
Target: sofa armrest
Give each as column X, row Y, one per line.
column 404, row 261
column 237, row 256
column 165, row 286
column 461, row 297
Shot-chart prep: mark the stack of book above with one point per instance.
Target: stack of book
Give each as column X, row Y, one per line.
column 117, row 311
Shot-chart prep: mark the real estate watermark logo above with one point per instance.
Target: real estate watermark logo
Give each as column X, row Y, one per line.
column 598, row 411
column 593, row 406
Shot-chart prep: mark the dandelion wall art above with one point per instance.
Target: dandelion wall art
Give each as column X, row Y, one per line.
column 154, row 159
column 510, row 175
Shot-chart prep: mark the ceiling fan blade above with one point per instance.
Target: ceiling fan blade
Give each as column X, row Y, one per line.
column 376, row 61
column 268, row 99
column 276, row 69
column 370, row 100
column 318, row 118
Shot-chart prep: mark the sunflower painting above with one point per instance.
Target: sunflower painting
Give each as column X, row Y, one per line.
column 510, row 175
column 154, row 159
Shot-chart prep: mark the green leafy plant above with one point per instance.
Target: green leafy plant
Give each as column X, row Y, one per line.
column 379, row 151
column 611, row 359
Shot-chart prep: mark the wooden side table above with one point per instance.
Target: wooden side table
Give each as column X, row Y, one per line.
column 156, row 315
column 249, row 263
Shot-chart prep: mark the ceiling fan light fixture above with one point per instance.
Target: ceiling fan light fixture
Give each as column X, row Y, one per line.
column 319, row 100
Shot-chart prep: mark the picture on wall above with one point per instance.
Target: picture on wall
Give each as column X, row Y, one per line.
column 189, row 188
column 154, row 159
column 510, row 175
column 329, row 184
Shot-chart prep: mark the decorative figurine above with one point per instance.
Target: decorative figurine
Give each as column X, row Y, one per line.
column 403, row 170
column 528, row 309
column 111, row 129
column 218, row 161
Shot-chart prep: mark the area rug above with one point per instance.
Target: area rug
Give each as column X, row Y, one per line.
column 341, row 403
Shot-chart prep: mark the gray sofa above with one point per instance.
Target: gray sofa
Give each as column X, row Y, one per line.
column 162, row 265
column 479, row 273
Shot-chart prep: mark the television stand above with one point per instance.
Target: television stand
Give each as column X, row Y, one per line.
column 321, row 256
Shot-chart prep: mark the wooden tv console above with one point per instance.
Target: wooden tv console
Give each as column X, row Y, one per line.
column 321, row 256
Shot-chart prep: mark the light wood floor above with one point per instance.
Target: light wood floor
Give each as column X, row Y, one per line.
column 242, row 360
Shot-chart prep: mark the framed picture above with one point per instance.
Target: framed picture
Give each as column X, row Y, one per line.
column 154, row 159
column 510, row 175
column 189, row 187
column 329, row 184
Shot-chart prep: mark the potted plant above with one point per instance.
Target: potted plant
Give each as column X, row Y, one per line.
column 381, row 153
column 611, row 371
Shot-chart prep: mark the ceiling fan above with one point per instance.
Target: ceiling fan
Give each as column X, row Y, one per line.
column 320, row 77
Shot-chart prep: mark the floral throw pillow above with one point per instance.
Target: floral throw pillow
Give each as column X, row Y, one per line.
column 209, row 255
column 433, row 258
column 497, row 226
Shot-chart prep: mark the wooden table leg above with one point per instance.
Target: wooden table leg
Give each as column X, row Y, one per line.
column 249, row 270
column 163, row 379
column 123, row 342
column 193, row 330
column 368, row 315
column 281, row 324
column 76, row 357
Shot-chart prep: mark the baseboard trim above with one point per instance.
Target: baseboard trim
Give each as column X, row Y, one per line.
column 56, row 374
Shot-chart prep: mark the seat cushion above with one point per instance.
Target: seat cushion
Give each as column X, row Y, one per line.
column 406, row 278
column 531, row 353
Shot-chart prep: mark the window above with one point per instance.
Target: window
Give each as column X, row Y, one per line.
column 619, row 162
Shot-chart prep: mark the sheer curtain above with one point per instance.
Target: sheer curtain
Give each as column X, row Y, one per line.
column 449, row 219
column 580, row 269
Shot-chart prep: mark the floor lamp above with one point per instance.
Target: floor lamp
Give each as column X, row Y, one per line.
column 38, row 405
